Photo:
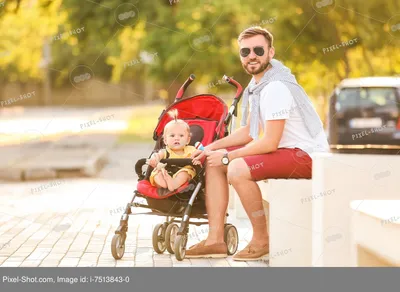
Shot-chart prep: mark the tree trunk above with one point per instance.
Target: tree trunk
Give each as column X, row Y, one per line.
column 340, row 77
column 368, row 62
column 346, row 65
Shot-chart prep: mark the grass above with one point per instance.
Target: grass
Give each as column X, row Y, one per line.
column 141, row 125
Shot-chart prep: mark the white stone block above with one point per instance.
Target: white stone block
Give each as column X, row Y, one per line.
column 352, row 177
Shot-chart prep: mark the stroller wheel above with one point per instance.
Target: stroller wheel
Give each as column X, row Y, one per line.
column 231, row 238
column 159, row 238
column 180, row 247
column 118, row 246
column 170, row 237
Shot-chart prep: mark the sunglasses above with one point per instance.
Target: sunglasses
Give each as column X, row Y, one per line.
column 259, row 51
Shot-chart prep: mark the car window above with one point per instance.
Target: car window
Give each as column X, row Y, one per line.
column 366, row 97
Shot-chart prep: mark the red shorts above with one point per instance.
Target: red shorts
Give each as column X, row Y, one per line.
column 282, row 163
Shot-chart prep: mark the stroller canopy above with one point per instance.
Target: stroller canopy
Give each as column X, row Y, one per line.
column 199, row 107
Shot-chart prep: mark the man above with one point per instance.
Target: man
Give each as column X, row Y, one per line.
column 291, row 131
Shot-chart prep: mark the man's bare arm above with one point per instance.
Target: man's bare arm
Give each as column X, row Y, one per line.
column 237, row 138
column 269, row 143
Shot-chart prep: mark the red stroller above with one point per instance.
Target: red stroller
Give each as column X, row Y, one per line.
column 209, row 120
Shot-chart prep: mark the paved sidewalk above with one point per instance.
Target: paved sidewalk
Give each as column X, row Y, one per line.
column 71, row 222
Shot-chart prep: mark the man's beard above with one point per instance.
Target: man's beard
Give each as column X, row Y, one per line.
column 262, row 67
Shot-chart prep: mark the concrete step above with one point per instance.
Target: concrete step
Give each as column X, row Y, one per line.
column 48, row 160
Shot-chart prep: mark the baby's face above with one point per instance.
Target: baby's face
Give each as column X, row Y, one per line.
column 177, row 137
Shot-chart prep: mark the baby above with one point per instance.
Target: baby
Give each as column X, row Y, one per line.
column 176, row 139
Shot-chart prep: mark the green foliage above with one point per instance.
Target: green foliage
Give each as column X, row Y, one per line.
column 198, row 36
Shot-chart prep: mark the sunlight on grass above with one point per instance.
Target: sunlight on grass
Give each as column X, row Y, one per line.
column 141, row 125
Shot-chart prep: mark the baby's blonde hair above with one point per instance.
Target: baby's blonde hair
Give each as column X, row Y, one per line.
column 174, row 115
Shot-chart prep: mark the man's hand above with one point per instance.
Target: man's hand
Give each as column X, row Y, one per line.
column 198, row 155
column 196, row 162
column 214, row 158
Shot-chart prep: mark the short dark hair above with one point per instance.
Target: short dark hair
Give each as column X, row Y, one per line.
column 256, row 30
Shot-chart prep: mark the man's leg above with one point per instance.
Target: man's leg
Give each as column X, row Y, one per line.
column 250, row 195
column 217, row 197
column 216, row 204
column 243, row 174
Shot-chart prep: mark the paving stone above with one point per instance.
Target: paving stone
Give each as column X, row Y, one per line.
column 182, row 265
column 200, row 263
column 257, row 264
column 69, row 262
column 31, row 263
column 74, row 254
column 49, row 263
column 125, row 263
column 11, row 264
column 55, row 256
column 144, row 264
column 157, row 264
column 86, row 240
column 238, row 264
column 88, row 255
column 219, row 263
column 21, row 254
column 87, row 264
column 3, row 259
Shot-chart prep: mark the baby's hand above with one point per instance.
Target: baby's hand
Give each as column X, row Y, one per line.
column 196, row 162
column 154, row 159
column 161, row 166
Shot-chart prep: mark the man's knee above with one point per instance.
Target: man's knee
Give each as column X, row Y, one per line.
column 238, row 171
column 214, row 170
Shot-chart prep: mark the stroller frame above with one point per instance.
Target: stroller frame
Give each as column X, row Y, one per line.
column 167, row 235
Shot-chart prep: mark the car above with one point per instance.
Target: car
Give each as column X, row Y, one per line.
column 364, row 113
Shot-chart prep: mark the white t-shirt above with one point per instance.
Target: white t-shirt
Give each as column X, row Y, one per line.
column 277, row 103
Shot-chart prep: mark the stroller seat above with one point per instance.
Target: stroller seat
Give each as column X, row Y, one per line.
column 147, row 190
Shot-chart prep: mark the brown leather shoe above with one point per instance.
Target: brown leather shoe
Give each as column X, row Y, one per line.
column 252, row 253
column 197, row 244
column 200, row 250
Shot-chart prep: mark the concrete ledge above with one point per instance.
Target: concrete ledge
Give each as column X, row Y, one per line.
column 310, row 219
column 54, row 162
column 352, row 177
column 376, row 233
column 11, row 174
column 290, row 220
column 37, row 174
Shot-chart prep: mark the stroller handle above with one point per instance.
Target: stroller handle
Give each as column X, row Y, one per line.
column 233, row 82
column 185, row 85
column 239, row 92
column 181, row 162
column 177, row 161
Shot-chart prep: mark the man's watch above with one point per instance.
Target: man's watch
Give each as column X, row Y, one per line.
column 225, row 159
